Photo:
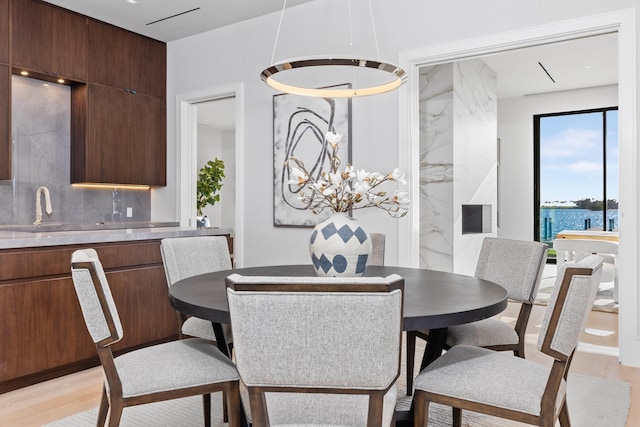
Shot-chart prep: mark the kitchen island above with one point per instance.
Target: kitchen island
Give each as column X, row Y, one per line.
column 44, row 335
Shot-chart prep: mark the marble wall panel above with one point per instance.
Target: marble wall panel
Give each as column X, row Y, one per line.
column 458, row 160
column 475, row 154
column 436, row 167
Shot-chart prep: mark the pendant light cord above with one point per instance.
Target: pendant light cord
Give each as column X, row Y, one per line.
column 353, row 70
column 275, row 44
column 373, row 26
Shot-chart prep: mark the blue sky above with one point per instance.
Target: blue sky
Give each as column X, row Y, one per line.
column 571, row 156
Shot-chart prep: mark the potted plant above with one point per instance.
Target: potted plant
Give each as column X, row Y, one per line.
column 208, row 188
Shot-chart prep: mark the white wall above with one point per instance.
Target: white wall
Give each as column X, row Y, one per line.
column 236, row 55
column 515, row 130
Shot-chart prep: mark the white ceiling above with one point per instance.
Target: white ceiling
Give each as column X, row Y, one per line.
column 168, row 20
column 586, row 62
column 580, row 63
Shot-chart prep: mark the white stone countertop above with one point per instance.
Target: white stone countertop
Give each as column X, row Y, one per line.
column 23, row 239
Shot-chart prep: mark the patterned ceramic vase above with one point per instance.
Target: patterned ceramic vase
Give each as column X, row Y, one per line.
column 339, row 246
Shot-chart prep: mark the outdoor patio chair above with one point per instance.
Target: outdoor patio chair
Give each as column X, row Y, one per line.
column 574, row 249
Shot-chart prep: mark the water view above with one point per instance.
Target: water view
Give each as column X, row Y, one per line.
column 554, row 220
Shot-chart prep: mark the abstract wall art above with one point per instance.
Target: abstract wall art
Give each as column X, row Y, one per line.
column 299, row 127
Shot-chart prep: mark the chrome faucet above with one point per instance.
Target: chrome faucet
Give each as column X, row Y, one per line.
column 47, row 201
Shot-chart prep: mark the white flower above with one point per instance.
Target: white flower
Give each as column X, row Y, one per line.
column 333, row 138
column 298, row 177
column 335, row 179
column 362, row 175
column 348, row 173
column 343, row 191
column 361, row 188
column 398, row 175
column 401, row 197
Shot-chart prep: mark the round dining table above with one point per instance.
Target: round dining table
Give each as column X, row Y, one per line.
column 433, row 300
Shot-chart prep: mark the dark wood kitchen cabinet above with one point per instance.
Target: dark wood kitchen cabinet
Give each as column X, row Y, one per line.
column 117, row 136
column 5, row 122
column 4, row 31
column 126, row 60
column 49, row 41
column 41, row 324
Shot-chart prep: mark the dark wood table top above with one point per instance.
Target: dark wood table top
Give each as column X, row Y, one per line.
column 432, row 299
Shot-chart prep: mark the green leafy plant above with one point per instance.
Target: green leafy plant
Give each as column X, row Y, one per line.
column 209, row 184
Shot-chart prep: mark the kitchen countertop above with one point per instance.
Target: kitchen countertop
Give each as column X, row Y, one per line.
column 24, row 239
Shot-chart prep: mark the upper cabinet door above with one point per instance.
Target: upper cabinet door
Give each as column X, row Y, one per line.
column 148, row 59
column 69, row 44
column 4, row 31
column 49, row 40
column 122, row 59
column 31, row 29
column 108, row 55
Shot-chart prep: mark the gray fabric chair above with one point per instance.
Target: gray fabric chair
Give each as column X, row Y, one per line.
column 377, row 249
column 318, row 350
column 161, row 372
column 490, row 382
column 517, row 266
column 189, row 256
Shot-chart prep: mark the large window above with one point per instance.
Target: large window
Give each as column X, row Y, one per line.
column 576, row 168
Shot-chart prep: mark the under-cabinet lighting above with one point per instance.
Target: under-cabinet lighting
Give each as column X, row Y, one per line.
column 24, row 73
column 112, row 186
column 61, row 81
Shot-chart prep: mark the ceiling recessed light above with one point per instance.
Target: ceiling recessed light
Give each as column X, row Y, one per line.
column 132, row 1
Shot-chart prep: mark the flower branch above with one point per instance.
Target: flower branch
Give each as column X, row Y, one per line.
column 342, row 191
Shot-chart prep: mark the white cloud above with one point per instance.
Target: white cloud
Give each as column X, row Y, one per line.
column 587, row 167
column 570, row 143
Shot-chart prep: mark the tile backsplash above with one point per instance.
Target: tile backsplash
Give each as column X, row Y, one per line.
column 41, row 121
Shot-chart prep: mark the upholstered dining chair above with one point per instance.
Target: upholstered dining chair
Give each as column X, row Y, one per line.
column 490, row 382
column 189, row 256
column 377, row 249
column 517, row 266
column 165, row 371
column 318, row 350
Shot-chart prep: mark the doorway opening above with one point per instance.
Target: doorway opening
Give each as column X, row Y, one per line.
column 221, row 106
column 216, row 139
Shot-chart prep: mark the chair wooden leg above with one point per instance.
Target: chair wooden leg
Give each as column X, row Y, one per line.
column 564, row 416
column 225, row 411
column 457, row 417
column 104, row 407
column 411, row 356
column 421, row 410
column 115, row 413
column 232, row 403
column 206, row 406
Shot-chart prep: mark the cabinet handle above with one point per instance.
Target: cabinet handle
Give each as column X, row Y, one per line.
column 133, row 91
column 127, row 89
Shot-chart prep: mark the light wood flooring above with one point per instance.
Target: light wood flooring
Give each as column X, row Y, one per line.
column 42, row 403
